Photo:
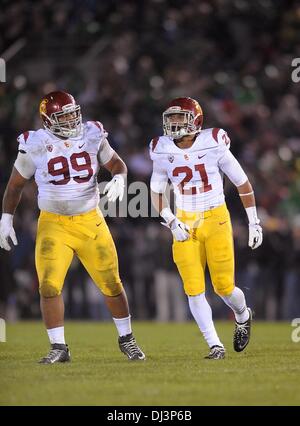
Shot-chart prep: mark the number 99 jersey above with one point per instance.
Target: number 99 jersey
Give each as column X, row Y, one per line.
column 196, row 172
column 65, row 170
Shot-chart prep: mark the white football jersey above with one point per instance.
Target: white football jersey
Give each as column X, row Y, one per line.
column 196, row 172
column 65, row 170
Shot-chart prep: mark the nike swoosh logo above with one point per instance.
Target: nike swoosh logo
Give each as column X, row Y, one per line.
column 80, row 146
column 201, row 156
column 98, row 224
column 222, row 223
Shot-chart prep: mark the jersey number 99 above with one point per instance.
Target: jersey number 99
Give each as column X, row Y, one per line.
column 64, row 169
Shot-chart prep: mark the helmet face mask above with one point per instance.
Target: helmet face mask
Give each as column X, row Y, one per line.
column 69, row 127
column 176, row 128
column 183, row 117
column 61, row 115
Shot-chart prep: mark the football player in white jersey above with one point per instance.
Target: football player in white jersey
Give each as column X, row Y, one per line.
column 194, row 160
column 64, row 157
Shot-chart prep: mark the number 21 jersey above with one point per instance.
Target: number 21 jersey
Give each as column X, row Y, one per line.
column 196, row 172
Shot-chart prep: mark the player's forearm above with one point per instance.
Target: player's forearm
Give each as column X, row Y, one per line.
column 159, row 201
column 13, row 192
column 246, row 194
column 11, row 199
column 118, row 167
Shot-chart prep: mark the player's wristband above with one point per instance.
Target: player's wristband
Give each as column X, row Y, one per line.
column 252, row 215
column 167, row 215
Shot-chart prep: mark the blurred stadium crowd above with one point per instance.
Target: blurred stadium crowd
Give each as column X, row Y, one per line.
column 123, row 61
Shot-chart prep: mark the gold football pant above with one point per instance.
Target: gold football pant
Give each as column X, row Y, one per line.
column 88, row 237
column 211, row 243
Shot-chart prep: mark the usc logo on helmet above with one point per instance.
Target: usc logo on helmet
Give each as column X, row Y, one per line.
column 43, row 108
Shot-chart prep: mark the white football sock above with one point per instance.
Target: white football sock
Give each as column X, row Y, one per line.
column 56, row 335
column 236, row 301
column 123, row 325
column 203, row 316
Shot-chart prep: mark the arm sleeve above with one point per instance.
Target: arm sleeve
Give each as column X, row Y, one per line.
column 105, row 152
column 232, row 168
column 25, row 165
column 159, row 178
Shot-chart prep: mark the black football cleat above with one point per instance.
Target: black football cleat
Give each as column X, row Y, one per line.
column 129, row 347
column 241, row 334
column 216, row 352
column 58, row 353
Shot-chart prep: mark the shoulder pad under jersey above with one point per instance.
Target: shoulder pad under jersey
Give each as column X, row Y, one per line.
column 217, row 136
column 31, row 139
column 161, row 145
column 95, row 129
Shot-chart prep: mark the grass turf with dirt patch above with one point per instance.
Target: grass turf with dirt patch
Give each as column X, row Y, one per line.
column 175, row 373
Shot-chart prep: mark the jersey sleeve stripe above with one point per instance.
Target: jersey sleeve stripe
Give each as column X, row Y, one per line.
column 97, row 124
column 215, row 132
column 26, row 135
column 154, row 143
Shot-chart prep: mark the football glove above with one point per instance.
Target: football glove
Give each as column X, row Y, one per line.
column 255, row 235
column 180, row 230
column 115, row 188
column 7, row 231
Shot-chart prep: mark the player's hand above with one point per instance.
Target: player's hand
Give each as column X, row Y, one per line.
column 255, row 236
column 7, row 231
column 179, row 229
column 115, row 188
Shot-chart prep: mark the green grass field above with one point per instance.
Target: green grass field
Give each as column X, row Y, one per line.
column 175, row 373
